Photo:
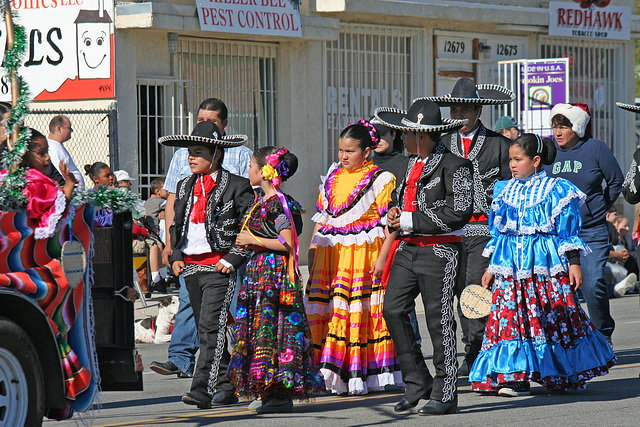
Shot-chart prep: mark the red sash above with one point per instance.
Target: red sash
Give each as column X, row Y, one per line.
column 210, row 258
column 478, row 217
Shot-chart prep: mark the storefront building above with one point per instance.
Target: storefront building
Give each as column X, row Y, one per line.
column 348, row 57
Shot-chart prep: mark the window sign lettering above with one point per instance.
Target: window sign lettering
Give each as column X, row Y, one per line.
column 595, row 20
column 263, row 17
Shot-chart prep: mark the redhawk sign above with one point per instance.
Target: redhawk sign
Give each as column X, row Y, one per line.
column 597, row 20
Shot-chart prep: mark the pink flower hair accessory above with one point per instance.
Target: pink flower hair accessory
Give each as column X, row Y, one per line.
column 373, row 132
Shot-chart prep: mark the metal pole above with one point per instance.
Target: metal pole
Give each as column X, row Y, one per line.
column 113, row 136
column 15, row 86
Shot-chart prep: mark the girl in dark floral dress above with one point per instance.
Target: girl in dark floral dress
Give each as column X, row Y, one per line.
column 272, row 357
column 537, row 330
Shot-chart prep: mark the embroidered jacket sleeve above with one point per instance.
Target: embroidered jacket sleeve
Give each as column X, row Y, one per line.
column 454, row 210
column 493, row 230
column 631, row 185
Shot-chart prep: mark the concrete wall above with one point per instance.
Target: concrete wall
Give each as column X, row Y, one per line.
column 301, row 123
column 126, row 73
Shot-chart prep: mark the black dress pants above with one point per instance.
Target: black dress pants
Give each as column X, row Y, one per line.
column 476, row 264
column 210, row 294
column 432, row 272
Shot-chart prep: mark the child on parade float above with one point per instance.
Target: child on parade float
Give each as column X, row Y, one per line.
column 353, row 348
column 46, row 201
column 209, row 207
column 272, row 357
column 537, row 330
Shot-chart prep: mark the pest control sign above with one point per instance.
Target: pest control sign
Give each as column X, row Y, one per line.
column 594, row 19
column 69, row 52
column 264, row 17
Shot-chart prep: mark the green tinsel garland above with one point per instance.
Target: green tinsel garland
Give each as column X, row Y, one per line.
column 11, row 197
column 117, row 199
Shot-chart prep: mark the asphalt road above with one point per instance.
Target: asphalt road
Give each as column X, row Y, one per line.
column 613, row 400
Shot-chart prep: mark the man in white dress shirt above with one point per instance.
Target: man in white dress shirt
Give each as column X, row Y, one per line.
column 60, row 132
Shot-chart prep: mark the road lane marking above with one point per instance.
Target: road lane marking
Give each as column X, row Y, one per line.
column 216, row 413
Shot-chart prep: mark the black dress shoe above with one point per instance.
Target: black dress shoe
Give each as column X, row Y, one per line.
column 166, row 368
column 224, row 398
column 275, row 407
column 202, row 401
column 435, row 407
column 463, row 370
column 404, row 405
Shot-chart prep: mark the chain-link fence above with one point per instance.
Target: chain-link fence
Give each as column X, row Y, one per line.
column 90, row 141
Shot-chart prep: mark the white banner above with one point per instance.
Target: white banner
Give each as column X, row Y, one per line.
column 262, row 17
column 596, row 21
column 69, row 49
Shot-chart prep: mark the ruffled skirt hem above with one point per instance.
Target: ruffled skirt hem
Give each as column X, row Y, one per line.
column 358, row 386
column 553, row 366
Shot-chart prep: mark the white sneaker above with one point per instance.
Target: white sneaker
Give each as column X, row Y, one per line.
column 255, row 404
column 621, row 288
column 516, row 389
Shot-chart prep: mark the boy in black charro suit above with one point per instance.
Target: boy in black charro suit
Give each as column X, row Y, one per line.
column 209, row 207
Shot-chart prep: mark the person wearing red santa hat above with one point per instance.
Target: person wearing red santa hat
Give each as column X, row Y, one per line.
column 588, row 163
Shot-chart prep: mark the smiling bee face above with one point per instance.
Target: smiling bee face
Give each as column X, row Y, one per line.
column 94, row 50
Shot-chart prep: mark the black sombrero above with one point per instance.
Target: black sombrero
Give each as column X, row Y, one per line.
column 205, row 133
column 423, row 116
column 466, row 92
column 629, row 107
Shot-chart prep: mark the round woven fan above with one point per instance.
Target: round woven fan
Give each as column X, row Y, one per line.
column 74, row 262
column 475, row 302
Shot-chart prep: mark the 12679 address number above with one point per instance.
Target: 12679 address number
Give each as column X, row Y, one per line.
column 453, row 46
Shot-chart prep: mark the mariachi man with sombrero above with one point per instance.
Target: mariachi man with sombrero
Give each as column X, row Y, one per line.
column 430, row 207
column 208, row 209
column 489, row 154
column 631, row 185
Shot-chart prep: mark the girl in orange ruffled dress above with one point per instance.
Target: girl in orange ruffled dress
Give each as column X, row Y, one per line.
column 344, row 295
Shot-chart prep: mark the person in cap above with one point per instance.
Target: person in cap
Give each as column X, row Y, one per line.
column 430, row 207
column 209, row 207
column 588, row 164
column 489, row 155
column 123, row 179
column 508, row 127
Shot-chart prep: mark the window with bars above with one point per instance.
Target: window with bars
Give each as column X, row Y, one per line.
column 243, row 75
column 163, row 109
column 596, row 72
column 369, row 67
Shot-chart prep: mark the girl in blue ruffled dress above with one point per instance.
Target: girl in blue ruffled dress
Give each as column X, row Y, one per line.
column 537, row 330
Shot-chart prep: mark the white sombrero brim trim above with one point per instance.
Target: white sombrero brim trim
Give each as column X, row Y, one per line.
column 394, row 118
column 628, row 107
column 488, row 94
column 226, row 141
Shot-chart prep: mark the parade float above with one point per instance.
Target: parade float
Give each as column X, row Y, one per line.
column 51, row 358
